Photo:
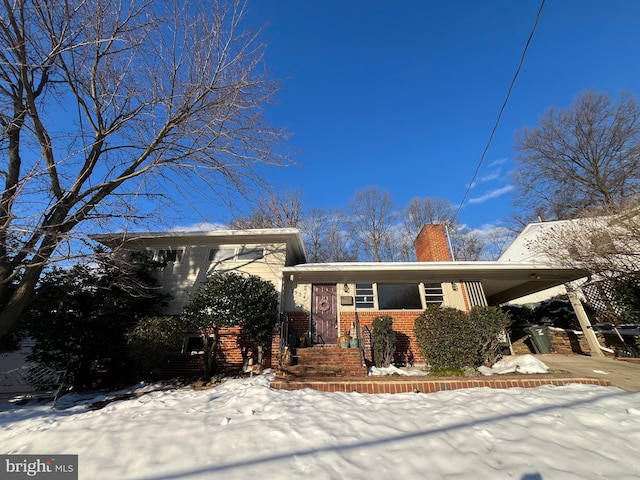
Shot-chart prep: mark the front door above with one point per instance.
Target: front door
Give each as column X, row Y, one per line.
column 324, row 315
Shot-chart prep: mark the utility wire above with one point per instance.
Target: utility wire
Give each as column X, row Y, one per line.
column 504, row 105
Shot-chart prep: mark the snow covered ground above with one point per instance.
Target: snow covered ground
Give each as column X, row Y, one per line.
column 242, row 429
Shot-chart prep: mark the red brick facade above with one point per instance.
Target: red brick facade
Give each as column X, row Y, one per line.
column 407, row 351
column 234, row 347
column 431, row 244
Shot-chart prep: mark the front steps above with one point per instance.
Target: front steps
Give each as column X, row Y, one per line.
column 325, row 361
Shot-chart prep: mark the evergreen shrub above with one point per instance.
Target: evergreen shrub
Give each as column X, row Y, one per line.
column 384, row 341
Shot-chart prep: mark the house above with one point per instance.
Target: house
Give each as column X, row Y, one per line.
column 189, row 257
column 318, row 302
column 596, row 243
column 322, row 301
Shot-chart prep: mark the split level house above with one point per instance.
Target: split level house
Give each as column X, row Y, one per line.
column 321, row 301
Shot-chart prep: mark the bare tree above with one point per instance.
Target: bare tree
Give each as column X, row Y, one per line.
column 587, row 155
column 275, row 208
column 467, row 245
column 605, row 243
column 326, row 236
column 104, row 101
column 314, row 227
column 339, row 241
column 418, row 213
column 372, row 221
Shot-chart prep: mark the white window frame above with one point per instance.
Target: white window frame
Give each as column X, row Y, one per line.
column 422, row 290
column 238, row 251
column 424, row 293
column 374, row 296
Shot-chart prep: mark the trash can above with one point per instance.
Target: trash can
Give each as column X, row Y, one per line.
column 540, row 339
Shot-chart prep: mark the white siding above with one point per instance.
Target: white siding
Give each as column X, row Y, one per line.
column 181, row 278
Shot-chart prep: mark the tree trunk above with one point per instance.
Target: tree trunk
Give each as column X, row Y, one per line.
column 20, row 298
column 210, row 341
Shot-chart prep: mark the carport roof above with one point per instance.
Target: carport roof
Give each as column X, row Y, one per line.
column 501, row 281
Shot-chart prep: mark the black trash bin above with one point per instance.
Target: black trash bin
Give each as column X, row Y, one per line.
column 539, row 336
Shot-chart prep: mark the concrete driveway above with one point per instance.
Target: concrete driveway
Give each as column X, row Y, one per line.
column 622, row 374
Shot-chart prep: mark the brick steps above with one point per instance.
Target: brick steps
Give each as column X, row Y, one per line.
column 325, row 361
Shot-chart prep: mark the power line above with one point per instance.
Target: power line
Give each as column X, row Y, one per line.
column 504, row 105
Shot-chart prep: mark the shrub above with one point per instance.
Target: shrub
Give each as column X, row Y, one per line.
column 79, row 317
column 446, row 338
column 520, row 315
column 228, row 299
column 626, row 296
column 558, row 312
column 384, row 341
column 489, row 323
column 152, row 339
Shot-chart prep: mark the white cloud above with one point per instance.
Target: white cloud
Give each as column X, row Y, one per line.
column 492, row 194
column 500, row 161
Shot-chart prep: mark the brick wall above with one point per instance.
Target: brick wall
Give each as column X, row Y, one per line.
column 431, row 244
column 298, row 327
column 234, row 347
column 566, row 342
column 298, row 324
column 406, row 351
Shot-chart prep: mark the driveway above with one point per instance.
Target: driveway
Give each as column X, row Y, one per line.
column 622, row 374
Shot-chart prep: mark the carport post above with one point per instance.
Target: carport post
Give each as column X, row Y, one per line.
column 589, row 334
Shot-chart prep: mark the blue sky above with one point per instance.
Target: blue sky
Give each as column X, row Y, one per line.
column 403, row 95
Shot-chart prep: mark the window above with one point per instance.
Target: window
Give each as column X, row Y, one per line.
column 169, row 255
column 221, row 254
column 193, row 344
column 229, row 254
column 399, row 296
column 433, row 294
column 364, row 295
column 245, row 253
column 140, row 256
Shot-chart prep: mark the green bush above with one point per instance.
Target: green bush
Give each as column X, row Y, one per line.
column 446, row 338
column 489, row 323
column 79, row 318
column 152, row 339
column 227, row 299
column 626, row 296
column 558, row 312
column 384, row 341
column 451, row 339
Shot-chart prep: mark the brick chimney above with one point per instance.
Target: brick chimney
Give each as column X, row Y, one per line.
column 431, row 244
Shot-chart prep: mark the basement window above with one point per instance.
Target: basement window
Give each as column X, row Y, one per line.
column 193, row 344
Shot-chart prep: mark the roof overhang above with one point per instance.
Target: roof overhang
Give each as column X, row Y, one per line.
column 290, row 236
column 501, row 281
